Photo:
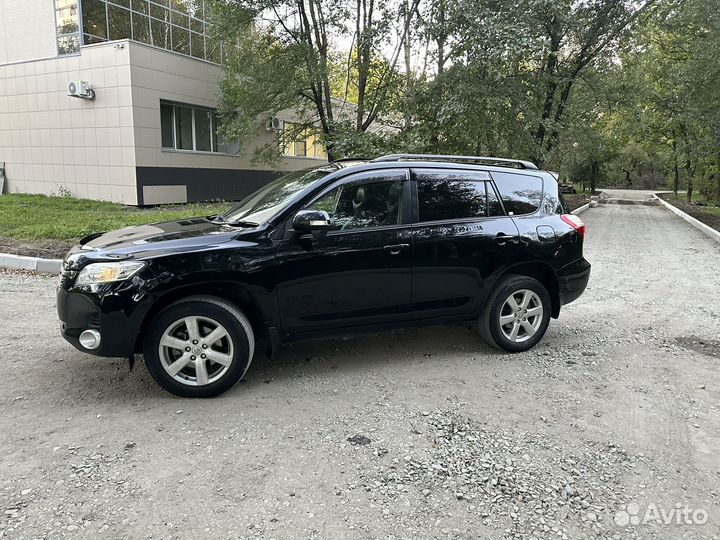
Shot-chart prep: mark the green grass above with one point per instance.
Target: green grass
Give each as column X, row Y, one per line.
column 31, row 217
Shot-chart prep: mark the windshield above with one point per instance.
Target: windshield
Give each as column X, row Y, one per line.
column 271, row 199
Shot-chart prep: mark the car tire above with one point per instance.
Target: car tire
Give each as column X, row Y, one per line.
column 500, row 321
column 183, row 355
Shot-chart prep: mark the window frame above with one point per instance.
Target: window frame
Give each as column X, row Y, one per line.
column 172, row 19
column 310, row 141
column 489, row 184
column 363, row 177
column 213, row 125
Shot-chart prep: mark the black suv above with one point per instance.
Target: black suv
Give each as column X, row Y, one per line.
column 350, row 246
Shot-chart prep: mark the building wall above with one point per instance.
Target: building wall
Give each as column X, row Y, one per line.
column 111, row 148
column 27, row 30
column 53, row 143
column 162, row 75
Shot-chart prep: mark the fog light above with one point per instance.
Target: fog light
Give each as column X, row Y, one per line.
column 90, row 339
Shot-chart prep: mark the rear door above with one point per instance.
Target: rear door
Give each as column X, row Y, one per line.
column 462, row 236
column 533, row 211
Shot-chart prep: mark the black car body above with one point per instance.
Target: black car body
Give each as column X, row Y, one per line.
column 351, row 246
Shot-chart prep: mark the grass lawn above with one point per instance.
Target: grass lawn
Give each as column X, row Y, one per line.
column 38, row 217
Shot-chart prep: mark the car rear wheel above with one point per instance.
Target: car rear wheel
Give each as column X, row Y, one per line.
column 199, row 347
column 517, row 314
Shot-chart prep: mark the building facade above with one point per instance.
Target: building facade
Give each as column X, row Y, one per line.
column 149, row 134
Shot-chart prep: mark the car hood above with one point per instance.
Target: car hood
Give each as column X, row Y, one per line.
column 153, row 240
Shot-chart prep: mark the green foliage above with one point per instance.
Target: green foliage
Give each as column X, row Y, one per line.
column 64, row 218
column 608, row 92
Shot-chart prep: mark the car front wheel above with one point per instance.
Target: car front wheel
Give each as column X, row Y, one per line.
column 199, row 347
column 517, row 314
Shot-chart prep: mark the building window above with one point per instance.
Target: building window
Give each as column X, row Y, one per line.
column 174, row 25
column 302, row 143
column 192, row 128
column 67, row 21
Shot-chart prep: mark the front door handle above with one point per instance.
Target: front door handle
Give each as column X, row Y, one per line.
column 395, row 249
column 501, row 238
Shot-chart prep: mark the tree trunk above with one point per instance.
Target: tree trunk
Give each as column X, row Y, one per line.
column 594, row 171
column 408, row 68
column 440, row 39
column 676, row 168
column 549, row 71
column 688, row 165
column 717, row 180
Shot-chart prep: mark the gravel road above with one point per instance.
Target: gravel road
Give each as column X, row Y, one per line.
column 410, row 434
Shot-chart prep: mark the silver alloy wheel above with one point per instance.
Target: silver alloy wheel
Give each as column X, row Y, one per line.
column 521, row 315
column 196, row 351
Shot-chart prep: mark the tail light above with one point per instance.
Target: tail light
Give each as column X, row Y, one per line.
column 575, row 222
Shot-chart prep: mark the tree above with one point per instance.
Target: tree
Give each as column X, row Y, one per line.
column 283, row 59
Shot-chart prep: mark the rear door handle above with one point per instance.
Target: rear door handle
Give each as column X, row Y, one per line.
column 395, row 249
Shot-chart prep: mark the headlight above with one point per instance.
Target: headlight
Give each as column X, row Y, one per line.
column 106, row 272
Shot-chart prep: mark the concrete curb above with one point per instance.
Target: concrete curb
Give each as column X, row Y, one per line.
column 581, row 209
column 35, row 264
column 712, row 233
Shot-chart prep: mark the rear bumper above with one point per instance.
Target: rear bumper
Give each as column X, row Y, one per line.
column 572, row 280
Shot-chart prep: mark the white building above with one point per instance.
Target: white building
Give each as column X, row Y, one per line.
column 149, row 134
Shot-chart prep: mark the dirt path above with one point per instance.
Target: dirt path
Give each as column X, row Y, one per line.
column 620, row 404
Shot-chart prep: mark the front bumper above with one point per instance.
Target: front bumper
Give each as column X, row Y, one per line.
column 113, row 313
column 572, row 280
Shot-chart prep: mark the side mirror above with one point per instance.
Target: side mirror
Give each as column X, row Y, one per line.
column 311, row 221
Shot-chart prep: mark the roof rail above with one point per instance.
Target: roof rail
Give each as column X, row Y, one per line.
column 438, row 157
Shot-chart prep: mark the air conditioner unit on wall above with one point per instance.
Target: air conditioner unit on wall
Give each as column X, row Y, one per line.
column 81, row 89
column 274, row 124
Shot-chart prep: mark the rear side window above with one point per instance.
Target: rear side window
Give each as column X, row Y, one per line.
column 444, row 195
column 521, row 194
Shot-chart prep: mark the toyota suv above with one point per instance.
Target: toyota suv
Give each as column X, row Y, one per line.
column 350, row 246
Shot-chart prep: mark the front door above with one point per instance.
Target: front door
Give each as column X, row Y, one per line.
column 358, row 273
column 461, row 238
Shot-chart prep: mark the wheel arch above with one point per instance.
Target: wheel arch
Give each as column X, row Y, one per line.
column 234, row 293
column 541, row 271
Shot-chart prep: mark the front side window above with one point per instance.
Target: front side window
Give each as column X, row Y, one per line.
column 521, row 193
column 188, row 127
column 452, row 194
column 372, row 202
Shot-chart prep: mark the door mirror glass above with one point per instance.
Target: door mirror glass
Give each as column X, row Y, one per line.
column 306, row 221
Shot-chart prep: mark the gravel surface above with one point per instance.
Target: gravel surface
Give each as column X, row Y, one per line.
column 409, row 434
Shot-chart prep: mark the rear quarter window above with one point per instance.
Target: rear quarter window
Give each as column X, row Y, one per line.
column 520, row 193
column 452, row 194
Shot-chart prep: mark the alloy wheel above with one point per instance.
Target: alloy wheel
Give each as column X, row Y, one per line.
column 521, row 315
column 196, row 351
